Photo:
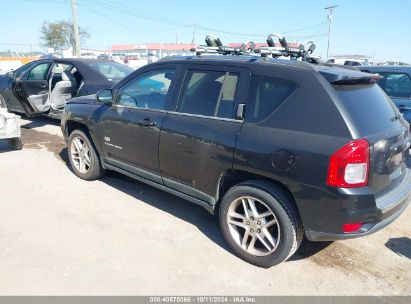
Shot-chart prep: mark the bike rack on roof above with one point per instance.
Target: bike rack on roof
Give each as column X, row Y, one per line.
column 303, row 52
column 215, row 46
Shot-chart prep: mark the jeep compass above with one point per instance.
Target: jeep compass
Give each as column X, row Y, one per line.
column 277, row 149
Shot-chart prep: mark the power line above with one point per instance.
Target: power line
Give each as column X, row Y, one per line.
column 152, row 17
column 129, row 30
column 306, row 28
column 128, row 10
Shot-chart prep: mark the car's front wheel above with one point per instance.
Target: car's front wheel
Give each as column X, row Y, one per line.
column 260, row 222
column 83, row 156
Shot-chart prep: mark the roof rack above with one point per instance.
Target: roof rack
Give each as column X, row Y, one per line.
column 215, row 46
column 302, row 52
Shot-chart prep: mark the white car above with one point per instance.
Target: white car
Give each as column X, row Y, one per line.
column 349, row 61
column 10, row 127
column 135, row 61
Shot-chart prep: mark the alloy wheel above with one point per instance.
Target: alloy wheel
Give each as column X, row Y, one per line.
column 80, row 154
column 253, row 226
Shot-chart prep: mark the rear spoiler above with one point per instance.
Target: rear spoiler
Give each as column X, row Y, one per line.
column 358, row 80
column 346, row 76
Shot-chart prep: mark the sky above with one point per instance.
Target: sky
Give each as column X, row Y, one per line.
column 379, row 29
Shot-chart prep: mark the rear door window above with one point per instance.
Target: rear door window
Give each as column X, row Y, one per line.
column 371, row 109
column 209, row 93
column 266, row 94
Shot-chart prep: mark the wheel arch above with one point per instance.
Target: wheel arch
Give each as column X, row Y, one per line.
column 234, row 177
column 72, row 125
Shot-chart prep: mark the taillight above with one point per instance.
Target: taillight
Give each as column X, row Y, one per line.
column 349, row 166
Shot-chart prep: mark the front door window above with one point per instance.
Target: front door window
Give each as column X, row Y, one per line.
column 39, row 72
column 148, row 91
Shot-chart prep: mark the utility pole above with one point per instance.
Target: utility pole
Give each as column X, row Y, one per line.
column 194, row 34
column 330, row 12
column 75, row 28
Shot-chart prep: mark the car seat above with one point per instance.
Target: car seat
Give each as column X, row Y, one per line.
column 63, row 90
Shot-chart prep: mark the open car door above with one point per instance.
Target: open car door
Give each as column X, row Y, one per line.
column 32, row 89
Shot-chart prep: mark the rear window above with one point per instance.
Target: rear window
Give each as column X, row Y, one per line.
column 111, row 70
column 371, row 109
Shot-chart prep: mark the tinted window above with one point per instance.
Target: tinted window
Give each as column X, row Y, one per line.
column 396, row 84
column 39, row 72
column 266, row 95
column 147, row 91
column 370, row 108
column 352, row 63
column 209, row 93
column 22, row 70
column 111, row 70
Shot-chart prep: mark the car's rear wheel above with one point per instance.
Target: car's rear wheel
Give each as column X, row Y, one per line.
column 16, row 143
column 260, row 223
column 83, row 156
column 2, row 102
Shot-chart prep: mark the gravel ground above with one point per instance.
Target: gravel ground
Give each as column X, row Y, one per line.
column 61, row 235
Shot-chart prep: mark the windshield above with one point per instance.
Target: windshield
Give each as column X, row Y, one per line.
column 372, row 110
column 111, row 70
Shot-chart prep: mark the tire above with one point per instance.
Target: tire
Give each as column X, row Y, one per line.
column 283, row 224
column 2, row 102
column 83, row 158
column 16, row 143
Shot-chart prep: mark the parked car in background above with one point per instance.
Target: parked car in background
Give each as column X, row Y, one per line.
column 10, row 128
column 44, row 86
column 88, row 56
column 48, row 56
column 396, row 82
column 135, row 61
column 103, row 57
column 349, row 61
column 278, row 148
column 118, row 57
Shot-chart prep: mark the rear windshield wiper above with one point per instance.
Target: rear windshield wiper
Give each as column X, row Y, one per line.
column 396, row 117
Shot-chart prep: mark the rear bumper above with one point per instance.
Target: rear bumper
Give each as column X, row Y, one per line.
column 388, row 207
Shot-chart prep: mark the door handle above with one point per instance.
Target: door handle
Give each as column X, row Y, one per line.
column 146, row 123
column 43, row 86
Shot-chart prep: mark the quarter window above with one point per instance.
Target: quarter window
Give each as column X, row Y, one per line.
column 39, row 72
column 209, row 93
column 396, row 84
column 147, row 91
column 265, row 96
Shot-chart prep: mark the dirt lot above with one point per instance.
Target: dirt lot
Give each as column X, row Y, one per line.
column 62, row 235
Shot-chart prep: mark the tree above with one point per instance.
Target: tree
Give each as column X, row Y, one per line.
column 60, row 34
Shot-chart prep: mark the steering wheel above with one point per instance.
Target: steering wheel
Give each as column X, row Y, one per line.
column 154, row 100
column 128, row 97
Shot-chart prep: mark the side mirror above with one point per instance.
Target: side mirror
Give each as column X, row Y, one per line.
column 105, row 96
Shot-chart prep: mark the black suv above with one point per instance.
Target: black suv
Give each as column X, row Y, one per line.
column 278, row 149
